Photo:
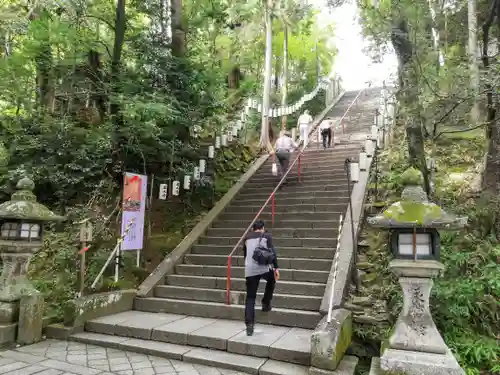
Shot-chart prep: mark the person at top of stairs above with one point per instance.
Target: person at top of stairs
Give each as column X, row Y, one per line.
column 284, row 147
column 303, row 124
column 254, row 271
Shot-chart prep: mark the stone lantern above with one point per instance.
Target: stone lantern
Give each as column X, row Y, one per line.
column 21, row 236
column 416, row 346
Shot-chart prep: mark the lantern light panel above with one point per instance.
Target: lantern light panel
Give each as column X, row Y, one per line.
column 217, row 142
column 423, row 244
column 211, row 152
column 223, row 140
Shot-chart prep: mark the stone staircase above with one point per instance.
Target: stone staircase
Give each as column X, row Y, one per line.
column 187, row 317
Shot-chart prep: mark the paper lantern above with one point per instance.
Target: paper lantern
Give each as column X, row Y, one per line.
column 196, row 173
column 354, row 169
column 203, row 165
column 211, row 152
column 223, row 140
column 187, row 182
column 176, row 185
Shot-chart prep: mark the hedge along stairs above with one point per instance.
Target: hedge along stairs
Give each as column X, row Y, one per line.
column 186, row 317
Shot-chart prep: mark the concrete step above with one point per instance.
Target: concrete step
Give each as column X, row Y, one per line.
column 266, row 216
column 278, row 232
column 278, row 242
column 196, row 355
column 277, row 316
column 292, row 209
column 284, row 263
column 279, row 224
column 283, row 199
column 239, row 284
column 282, row 194
column 287, row 252
column 279, row 343
column 286, row 301
column 221, row 271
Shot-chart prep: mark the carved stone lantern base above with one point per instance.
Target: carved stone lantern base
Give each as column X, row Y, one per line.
column 418, row 363
column 416, row 346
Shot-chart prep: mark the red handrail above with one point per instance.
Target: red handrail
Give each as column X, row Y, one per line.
column 271, row 198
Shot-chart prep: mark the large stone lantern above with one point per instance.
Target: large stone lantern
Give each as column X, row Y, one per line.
column 416, row 347
column 21, row 236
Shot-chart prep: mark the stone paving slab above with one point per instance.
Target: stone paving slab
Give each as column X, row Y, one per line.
column 52, row 357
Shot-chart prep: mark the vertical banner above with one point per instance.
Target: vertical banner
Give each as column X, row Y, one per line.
column 134, row 207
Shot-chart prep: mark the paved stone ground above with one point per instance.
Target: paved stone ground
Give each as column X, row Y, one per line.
column 52, row 357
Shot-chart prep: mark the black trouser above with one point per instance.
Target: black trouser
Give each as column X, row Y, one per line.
column 327, row 134
column 252, row 287
column 284, row 160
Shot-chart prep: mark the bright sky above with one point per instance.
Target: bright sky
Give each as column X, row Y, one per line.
column 351, row 63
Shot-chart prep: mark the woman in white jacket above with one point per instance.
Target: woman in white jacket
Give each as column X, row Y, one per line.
column 304, row 124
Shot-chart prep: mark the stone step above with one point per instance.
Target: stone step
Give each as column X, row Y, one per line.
column 277, row 316
column 319, row 170
column 209, row 357
column 288, row 252
column 278, row 232
column 279, row 343
column 331, row 175
column 284, row 263
column 286, row 301
column 303, row 195
column 292, row 209
column 305, row 181
column 282, row 199
column 278, row 218
column 239, row 284
column 278, row 242
column 221, row 271
column 279, row 224
column 295, row 187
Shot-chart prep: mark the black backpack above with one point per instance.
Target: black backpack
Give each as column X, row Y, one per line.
column 263, row 255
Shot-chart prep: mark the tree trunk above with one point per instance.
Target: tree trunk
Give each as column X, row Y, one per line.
column 409, row 98
column 285, row 76
column 96, row 77
column 264, row 131
column 178, row 32
column 115, row 86
column 490, row 178
column 473, row 64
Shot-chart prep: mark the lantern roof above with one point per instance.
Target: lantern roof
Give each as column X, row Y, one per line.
column 414, row 209
column 23, row 205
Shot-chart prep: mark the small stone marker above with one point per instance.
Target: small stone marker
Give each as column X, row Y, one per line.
column 30, row 318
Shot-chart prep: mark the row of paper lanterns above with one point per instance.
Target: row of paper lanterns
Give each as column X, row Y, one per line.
column 223, row 139
column 287, row 110
column 220, row 141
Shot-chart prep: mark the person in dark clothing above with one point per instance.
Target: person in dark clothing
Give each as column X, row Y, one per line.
column 326, row 133
column 254, row 272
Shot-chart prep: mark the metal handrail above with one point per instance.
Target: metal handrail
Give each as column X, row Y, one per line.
column 271, row 198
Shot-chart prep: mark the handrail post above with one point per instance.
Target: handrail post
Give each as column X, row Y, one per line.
column 228, row 280
column 272, row 209
column 299, row 166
